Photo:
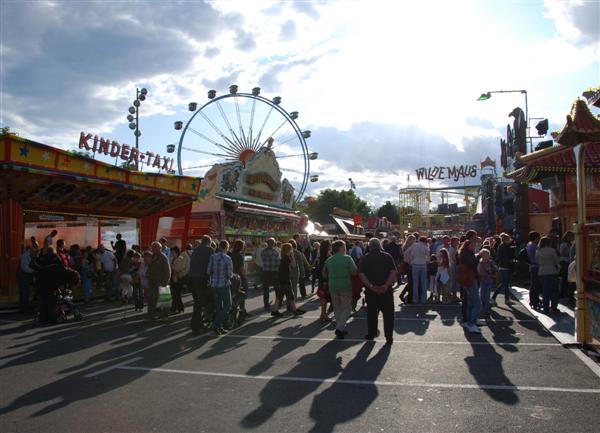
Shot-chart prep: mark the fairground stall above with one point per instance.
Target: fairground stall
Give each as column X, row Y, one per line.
column 571, row 171
column 86, row 201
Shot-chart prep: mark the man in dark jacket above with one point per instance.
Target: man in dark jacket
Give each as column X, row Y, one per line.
column 198, row 277
column 505, row 259
column 377, row 271
column 159, row 273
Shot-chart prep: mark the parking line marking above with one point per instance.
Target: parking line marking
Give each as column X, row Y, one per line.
column 587, row 361
column 365, row 382
column 113, row 367
column 361, row 340
column 417, row 319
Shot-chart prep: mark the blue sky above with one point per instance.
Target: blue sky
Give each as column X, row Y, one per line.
column 385, row 86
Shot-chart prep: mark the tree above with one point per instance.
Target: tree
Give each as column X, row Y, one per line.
column 323, row 205
column 389, row 211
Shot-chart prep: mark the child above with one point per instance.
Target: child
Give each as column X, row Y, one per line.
column 87, row 269
column 443, row 276
column 143, row 276
column 432, row 268
column 487, row 270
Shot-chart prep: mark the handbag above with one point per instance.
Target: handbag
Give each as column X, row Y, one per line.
column 164, row 297
column 323, row 290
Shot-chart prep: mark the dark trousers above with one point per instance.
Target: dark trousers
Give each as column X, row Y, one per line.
column 385, row 304
column 302, row 285
column 269, row 279
column 25, row 281
column 504, row 284
column 176, row 301
column 550, row 292
column 463, row 307
column 535, row 288
column 199, row 287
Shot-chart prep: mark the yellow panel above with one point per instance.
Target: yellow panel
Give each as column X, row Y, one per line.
column 33, row 154
column 73, row 164
column 3, row 145
column 168, row 182
column 112, row 173
column 142, row 179
column 189, row 185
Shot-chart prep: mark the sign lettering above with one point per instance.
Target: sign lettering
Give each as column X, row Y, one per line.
column 123, row 151
column 451, row 173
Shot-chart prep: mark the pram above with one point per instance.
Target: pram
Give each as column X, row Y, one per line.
column 66, row 306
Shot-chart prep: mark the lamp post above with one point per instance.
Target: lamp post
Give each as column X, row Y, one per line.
column 140, row 95
column 521, row 221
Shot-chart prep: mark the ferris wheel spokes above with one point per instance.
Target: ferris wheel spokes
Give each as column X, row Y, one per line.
column 256, row 146
column 235, row 142
column 218, row 131
column 239, row 119
column 251, row 123
column 210, row 140
column 203, row 152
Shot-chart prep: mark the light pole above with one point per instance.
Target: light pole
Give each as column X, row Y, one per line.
column 140, row 95
column 521, row 217
column 487, row 95
column 352, row 184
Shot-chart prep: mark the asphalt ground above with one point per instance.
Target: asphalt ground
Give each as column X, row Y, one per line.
column 112, row 373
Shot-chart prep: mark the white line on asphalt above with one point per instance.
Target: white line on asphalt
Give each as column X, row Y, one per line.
column 366, row 382
column 8, row 321
column 198, row 337
column 418, row 319
column 113, row 367
column 360, row 340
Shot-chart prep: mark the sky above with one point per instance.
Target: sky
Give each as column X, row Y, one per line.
column 385, row 87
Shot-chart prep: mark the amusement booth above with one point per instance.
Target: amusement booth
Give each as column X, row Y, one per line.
column 86, row 201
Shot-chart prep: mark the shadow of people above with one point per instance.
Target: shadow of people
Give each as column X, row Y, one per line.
column 485, row 365
column 308, row 374
column 332, row 406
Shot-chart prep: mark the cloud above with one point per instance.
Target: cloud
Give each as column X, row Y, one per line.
column 211, row 52
column 288, row 31
column 307, row 8
column 578, row 21
column 244, row 41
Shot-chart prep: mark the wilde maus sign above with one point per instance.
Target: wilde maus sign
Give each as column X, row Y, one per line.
column 447, row 173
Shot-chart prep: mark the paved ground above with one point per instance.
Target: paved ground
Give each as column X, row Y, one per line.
column 112, row 373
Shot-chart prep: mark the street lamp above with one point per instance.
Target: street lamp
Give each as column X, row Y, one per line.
column 487, row 95
column 352, row 184
column 134, row 122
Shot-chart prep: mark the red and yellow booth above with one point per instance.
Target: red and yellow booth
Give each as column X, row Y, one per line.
column 41, row 183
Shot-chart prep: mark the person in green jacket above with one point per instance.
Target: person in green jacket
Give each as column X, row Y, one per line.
column 338, row 270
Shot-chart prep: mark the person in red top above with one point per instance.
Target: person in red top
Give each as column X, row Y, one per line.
column 62, row 253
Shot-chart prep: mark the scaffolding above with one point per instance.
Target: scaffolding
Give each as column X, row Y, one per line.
column 413, row 205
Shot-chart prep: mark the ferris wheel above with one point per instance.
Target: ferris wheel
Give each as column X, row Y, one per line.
column 234, row 127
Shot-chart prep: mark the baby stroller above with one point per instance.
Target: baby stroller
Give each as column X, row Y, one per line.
column 237, row 314
column 66, row 306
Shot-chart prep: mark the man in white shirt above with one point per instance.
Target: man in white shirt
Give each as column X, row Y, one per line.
column 109, row 264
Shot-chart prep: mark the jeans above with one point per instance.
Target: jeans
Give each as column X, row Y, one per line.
column 473, row 304
column 419, row 273
column 295, row 277
column 176, row 301
column 504, row 284
column 110, row 284
column 342, row 305
column 454, row 284
column 550, row 292
column 535, row 288
column 25, row 281
column 222, row 305
column 486, row 288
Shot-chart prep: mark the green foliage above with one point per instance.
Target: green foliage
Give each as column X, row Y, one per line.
column 329, row 198
column 389, row 211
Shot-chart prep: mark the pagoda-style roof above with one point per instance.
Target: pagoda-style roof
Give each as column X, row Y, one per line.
column 582, row 126
column 552, row 160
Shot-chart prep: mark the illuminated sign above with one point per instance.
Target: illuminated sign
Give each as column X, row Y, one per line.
column 447, row 173
column 127, row 153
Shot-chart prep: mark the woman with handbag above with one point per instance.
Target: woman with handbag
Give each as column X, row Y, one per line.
column 322, row 291
column 468, row 279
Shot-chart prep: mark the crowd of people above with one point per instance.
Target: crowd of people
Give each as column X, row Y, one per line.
column 466, row 269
